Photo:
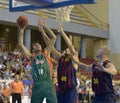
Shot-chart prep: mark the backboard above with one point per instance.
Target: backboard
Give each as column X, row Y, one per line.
column 23, row 5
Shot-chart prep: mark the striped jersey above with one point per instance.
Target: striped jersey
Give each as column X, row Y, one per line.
column 101, row 81
column 66, row 75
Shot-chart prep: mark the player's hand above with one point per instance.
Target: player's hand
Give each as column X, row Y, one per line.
column 60, row 29
column 41, row 22
column 99, row 66
column 21, row 29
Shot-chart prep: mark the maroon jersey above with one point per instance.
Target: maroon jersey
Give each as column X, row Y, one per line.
column 66, row 75
column 101, row 81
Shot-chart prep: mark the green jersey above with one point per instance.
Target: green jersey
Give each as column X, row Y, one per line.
column 40, row 68
column 43, row 86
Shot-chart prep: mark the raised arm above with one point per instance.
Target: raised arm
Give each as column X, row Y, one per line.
column 69, row 44
column 21, row 45
column 67, row 40
column 73, row 52
column 48, row 49
column 45, row 29
column 44, row 35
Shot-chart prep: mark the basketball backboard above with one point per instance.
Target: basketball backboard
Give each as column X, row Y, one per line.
column 22, row 5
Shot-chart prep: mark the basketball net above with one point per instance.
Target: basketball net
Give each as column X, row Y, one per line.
column 63, row 13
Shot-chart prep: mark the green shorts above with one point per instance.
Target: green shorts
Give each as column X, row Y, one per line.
column 43, row 89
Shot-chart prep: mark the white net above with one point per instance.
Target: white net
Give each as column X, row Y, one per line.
column 63, row 13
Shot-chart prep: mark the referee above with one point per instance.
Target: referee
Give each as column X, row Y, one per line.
column 16, row 90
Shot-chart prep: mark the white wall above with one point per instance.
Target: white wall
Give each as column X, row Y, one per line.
column 98, row 10
column 114, row 21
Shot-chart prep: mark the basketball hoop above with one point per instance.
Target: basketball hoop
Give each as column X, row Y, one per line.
column 23, row 5
column 63, row 13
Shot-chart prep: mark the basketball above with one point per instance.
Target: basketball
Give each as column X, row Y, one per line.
column 22, row 21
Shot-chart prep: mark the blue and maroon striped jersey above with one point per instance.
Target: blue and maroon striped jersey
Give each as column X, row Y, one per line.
column 66, row 75
column 101, row 81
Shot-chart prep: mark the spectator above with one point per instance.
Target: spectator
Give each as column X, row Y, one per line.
column 5, row 91
column 3, row 98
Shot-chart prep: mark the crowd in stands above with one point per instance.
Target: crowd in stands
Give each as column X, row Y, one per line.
column 13, row 62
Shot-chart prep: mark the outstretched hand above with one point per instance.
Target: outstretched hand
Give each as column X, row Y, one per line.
column 99, row 66
column 21, row 29
column 60, row 29
column 41, row 22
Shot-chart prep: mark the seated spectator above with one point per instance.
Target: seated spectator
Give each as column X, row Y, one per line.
column 5, row 91
column 25, row 89
column 3, row 98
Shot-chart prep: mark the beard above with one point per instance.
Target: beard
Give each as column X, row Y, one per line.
column 36, row 51
column 67, row 57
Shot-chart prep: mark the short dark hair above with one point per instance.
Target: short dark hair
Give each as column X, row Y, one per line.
column 35, row 42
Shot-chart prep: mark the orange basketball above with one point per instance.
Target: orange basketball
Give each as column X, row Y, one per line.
column 22, row 21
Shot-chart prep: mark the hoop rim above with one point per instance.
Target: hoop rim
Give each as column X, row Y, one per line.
column 63, row 13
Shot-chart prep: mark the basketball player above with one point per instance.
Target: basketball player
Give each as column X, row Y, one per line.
column 67, row 92
column 102, row 73
column 43, row 87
